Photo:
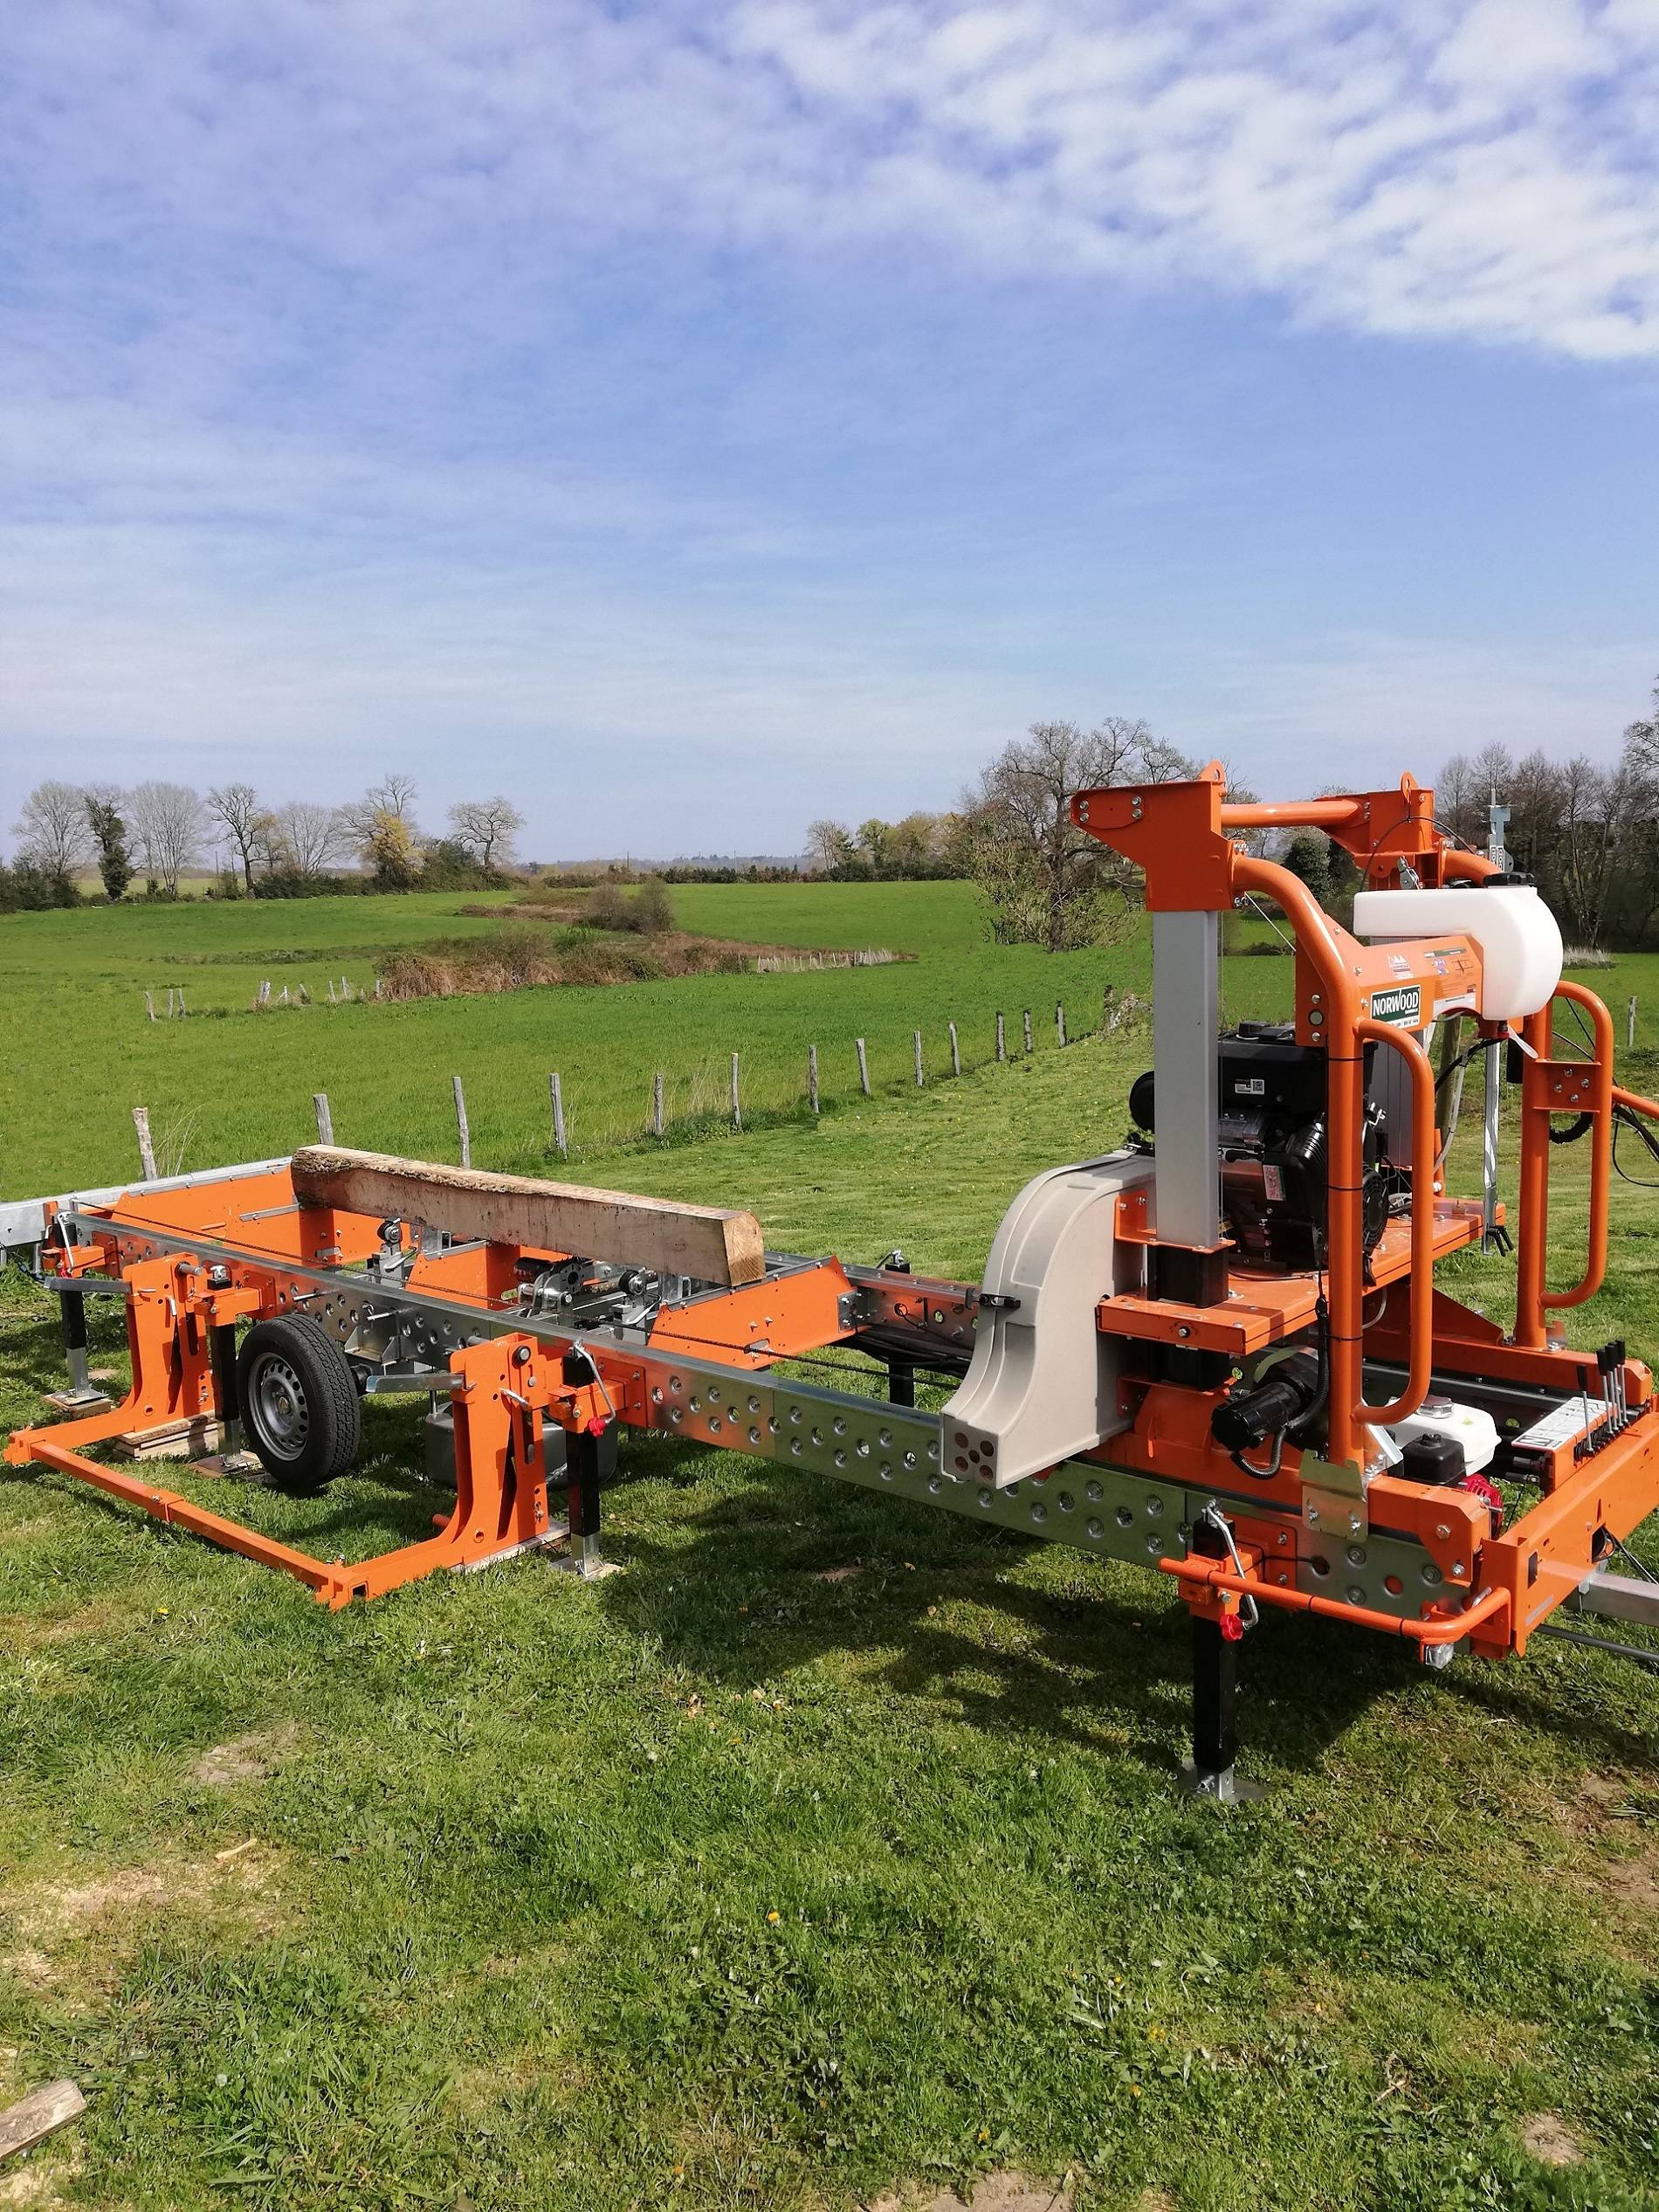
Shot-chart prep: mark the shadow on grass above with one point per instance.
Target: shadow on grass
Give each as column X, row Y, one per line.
column 733, row 1594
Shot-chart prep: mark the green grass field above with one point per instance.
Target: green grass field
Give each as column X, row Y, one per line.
column 833, row 1846
column 228, row 1084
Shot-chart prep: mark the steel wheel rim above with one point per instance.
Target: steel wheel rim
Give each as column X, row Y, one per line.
column 279, row 1407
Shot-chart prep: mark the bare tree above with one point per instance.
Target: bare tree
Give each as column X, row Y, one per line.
column 1590, row 817
column 235, row 807
column 394, row 795
column 1633, row 899
column 1160, row 762
column 1534, row 818
column 829, row 845
column 52, row 831
column 486, row 828
column 1049, row 881
column 1643, row 737
column 169, row 821
column 1460, row 799
column 309, row 839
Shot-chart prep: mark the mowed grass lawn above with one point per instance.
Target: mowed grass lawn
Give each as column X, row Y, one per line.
column 834, row 1845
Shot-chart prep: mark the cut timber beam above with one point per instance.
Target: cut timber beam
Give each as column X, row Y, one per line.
column 707, row 1241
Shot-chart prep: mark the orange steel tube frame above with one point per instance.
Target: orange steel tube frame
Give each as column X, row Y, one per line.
column 1532, row 1301
column 501, row 1480
column 1200, row 1578
column 1422, row 1359
column 1344, row 1077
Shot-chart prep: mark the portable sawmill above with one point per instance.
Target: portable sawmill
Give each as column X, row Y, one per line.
column 1218, row 1352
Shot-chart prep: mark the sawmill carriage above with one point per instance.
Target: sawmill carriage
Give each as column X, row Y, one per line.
column 1218, row 1352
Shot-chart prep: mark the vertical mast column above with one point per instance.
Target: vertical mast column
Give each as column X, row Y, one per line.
column 1185, row 1027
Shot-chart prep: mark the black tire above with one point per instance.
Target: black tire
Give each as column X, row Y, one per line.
column 299, row 1402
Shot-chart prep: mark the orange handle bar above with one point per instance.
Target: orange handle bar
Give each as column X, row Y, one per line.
column 1216, row 1575
column 1601, row 1158
column 1422, row 1224
column 1258, row 814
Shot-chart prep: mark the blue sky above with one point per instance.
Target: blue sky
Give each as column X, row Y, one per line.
column 693, row 419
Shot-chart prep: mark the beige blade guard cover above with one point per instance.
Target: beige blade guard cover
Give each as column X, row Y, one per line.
column 1043, row 1385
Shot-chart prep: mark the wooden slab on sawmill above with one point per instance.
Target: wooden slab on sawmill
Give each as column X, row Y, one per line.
column 710, row 1243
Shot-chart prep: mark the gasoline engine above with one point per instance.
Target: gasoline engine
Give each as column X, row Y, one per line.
column 1274, row 1148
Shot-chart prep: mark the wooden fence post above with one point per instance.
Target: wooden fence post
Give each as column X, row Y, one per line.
column 150, row 1006
column 171, row 996
column 657, row 1104
column 1001, row 1039
column 920, row 1078
column 461, row 1123
column 557, row 1089
column 1028, row 1029
column 863, row 1067
column 812, row 1077
column 146, row 1149
column 956, row 1050
column 1630, row 1024
column 1059, row 1023
column 325, row 1119
column 737, row 1100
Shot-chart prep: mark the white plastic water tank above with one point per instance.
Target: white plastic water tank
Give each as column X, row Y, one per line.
column 1467, row 1425
column 1517, row 937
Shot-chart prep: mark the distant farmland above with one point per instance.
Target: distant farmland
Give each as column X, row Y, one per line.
column 226, row 1083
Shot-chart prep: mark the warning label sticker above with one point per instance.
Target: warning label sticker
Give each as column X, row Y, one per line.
column 1403, row 1006
column 1565, row 1426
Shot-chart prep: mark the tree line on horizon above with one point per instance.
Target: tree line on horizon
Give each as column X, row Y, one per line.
column 157, row 832
column 1586, row 833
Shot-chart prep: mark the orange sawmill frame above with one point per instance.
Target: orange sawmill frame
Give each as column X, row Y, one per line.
column 195, row 1261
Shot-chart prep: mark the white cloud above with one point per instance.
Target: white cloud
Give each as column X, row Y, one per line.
column 317, row 432
column 1482, row 171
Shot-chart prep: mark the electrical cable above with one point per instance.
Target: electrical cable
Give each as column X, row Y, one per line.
column 1623, row 1118
column 1262, row 1474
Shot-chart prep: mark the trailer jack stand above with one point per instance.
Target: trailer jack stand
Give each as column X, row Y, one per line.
column 82, row 1396
column 589, row 1460
column 1209, row 1771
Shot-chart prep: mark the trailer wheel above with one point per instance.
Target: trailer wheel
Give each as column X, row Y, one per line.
column 299, row 1402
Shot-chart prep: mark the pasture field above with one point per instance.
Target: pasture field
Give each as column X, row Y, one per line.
column 833, row 1844
column 77, row 1053
column 229, row 1084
